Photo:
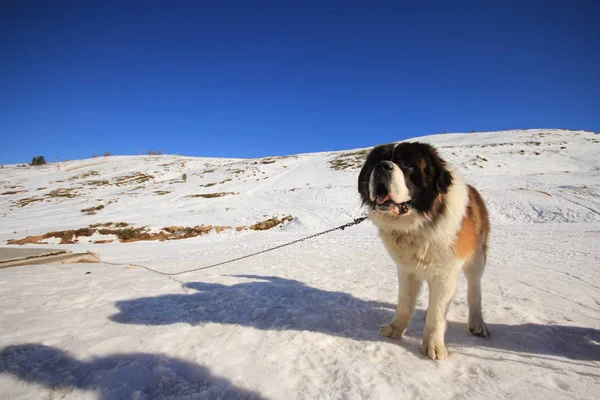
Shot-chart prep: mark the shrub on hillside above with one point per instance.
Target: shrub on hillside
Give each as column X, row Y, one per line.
column 39, row 160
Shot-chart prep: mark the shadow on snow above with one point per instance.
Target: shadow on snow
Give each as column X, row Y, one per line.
column 117, row 376
column 272, row 303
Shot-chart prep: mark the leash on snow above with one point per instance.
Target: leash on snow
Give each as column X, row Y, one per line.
column 341, row 227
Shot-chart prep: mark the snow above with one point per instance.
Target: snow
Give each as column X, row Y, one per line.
column 300, row 322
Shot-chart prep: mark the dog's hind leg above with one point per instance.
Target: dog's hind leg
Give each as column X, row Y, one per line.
column 474, row 272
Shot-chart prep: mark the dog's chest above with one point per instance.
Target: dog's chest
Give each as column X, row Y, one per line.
column 418, row 254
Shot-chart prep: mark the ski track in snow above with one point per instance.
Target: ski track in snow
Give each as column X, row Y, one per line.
column 300, row 322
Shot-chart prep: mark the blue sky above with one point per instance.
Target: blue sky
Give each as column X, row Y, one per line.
column 255, row 78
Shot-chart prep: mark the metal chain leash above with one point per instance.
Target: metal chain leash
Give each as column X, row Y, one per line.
column 341, row 227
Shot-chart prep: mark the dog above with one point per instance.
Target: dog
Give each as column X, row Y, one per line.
column 433, row 225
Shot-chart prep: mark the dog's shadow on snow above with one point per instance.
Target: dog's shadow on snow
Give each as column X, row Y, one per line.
column 273, row 303
column 117, row 376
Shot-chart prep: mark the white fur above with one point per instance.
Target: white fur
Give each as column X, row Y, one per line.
column 398, row 189
column 423, row 252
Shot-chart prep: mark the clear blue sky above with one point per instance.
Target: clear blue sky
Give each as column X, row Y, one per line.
column 254, row 78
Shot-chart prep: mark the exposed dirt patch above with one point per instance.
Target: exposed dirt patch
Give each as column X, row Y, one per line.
column 217, row 183
column 270, row 223
column 211, row 195
column 66, row 237
column 133, row 179
column 162, row 192
column 101, row 224
column 167, row 233
column 27, row 201
column 349, row 160
column 86, row 175
column 92, row 210
column 109, row 224
column 11, row 192
column 63, row 192
column 127, row 234
column 101, row 182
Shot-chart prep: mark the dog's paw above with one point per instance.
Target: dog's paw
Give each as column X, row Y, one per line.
column 479, row 328
column 435, row 351
column 389, row 331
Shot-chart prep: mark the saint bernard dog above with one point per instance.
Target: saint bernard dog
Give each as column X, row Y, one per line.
column 433, row 226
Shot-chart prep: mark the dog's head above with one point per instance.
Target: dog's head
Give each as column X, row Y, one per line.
column 402, row 179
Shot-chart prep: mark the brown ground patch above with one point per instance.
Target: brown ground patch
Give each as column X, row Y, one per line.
column 132, row 179
column 219, row 229
column 100, row 182
column 348, row 160
column 63, row 192
column 107, row 224
column 128, row 234
column 211, row 195
column 216, row 183
column 270, row 223
column 66, row 237
column 83, row 176
column 27, row 201
column 92, row 210
column 11, row 192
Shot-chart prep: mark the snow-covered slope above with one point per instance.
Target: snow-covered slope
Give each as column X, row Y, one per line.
column 300, row 322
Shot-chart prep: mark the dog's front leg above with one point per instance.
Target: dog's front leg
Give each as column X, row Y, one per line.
column 408, row 291
column 441, row 291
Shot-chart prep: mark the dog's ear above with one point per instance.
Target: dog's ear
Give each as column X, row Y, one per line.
column 443, row 177
column 444, row 180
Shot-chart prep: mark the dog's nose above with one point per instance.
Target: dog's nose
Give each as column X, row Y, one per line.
column 384, row 166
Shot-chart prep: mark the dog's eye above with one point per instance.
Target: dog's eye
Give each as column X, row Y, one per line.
column 405, row 165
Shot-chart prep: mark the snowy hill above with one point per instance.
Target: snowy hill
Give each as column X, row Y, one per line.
column 300, row 322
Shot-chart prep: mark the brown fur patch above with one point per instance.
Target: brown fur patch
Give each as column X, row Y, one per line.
column 475, row 227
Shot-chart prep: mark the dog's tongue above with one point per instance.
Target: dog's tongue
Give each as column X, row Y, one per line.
column 383, row 198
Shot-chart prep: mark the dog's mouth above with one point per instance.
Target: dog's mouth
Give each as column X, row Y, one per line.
column 384, row 202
